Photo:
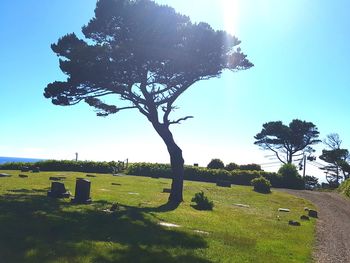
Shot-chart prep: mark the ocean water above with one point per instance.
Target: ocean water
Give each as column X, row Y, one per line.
column 17, row 159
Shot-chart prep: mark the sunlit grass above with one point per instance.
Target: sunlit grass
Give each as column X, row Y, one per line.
column 35, row 228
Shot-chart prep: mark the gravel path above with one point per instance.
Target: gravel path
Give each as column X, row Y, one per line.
column 333, row 225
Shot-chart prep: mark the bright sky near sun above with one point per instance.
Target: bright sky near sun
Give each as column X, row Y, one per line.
column 301, row 54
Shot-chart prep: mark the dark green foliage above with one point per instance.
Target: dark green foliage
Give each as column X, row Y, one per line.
column 261, row 185
column 290, row 177
column 146, row 55
column 311, row 181
column 336, row 163
column 215, row 164
column 250, row 167
column 240, row 177
column 231, row 167
column 64, row 165
column 202, row 202
column 287, row 141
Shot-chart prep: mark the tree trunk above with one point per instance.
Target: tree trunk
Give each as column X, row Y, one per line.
column 176, row 161
column 289, row 157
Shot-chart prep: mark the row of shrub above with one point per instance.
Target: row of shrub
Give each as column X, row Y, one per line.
column 218, row 164
column 240, row 177
column 64, row 165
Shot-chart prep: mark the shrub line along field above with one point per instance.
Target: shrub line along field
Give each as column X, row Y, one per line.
column 244, row 226
column 239, row 176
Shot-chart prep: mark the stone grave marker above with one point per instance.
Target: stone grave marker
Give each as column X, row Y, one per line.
column 58, row 190
column 293, row 223
column 313, row 213
column 304, row 217
column 283, row 210
column 82, row 191
column 25, row 169
column 23, row 175
column 4, row 175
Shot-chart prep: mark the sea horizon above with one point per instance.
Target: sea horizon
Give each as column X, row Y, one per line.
column 6, row 159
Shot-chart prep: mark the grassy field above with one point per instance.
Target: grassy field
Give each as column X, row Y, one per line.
column 35, row 228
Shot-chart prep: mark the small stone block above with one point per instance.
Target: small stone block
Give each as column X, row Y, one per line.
column 293, row 223
column 304, row 217
column 166, row 190
column 23, row 176
column 115, row 184
column 283, row 210
column 306, row 209
column 4, row 175
column 313, row 213
column 90, row 175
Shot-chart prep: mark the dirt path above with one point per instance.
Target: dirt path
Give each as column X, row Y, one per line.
column 333, row 225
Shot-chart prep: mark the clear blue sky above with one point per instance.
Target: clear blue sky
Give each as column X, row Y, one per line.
column 301, row 54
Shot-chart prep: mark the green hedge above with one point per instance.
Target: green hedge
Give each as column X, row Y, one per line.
column 63, row 165
column 193, row 173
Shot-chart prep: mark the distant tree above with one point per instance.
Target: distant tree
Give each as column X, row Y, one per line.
column 287, row 141
column 146, row 55
column 215, row 164
column 311, row 180
column 337, row 166
column 335, row 160
column 333, row 141
column 231, row 167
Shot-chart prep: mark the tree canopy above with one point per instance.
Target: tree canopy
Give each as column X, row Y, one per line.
column 289, row 141
column 141, row 55
column 337, row 166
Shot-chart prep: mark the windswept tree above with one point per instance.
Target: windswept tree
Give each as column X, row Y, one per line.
column 139, row 55
column 337, row 166
column 287, row 142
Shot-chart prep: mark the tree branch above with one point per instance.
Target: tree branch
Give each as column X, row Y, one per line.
column 276, row 153
column 179, row 120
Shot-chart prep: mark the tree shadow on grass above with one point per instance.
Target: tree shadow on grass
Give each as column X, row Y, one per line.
column 35, row 228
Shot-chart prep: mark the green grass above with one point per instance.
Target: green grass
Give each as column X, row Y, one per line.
column 34, row 228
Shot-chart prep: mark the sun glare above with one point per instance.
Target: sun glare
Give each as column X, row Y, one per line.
column 230, row 11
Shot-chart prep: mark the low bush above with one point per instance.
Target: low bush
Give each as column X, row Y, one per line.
column 261, row 185
column 215, row 164
column 202, row 202
column 193, row 173
column 64, row 165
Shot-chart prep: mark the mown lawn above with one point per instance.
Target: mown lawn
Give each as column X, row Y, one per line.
column 35, row 228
